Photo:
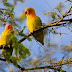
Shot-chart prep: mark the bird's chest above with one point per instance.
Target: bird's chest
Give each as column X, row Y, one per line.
column 5, row 38
column 31, row 24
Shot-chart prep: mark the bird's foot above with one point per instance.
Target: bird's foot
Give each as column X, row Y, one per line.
column 4, row 46
column 9, row 45
column 29, row 32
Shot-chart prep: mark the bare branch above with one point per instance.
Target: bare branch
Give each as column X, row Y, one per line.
column 69, row 15
column 67, row 20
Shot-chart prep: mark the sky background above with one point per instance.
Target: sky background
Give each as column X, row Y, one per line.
column 40, row 7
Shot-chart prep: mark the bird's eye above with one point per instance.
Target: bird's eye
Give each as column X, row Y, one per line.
column 10, row 26
column 28, row 9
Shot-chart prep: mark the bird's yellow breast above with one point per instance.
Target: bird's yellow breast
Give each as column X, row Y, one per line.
column 30, row 25
column 33, row 23
column 4, row 39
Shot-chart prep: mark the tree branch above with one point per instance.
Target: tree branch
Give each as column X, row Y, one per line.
column 9, row 47
column 49, row 25
column 67, row 20
column 12, row 62
column 48, row 67
column 43, row 67
column 68, row 14
column 6, row 46
column 2, row 59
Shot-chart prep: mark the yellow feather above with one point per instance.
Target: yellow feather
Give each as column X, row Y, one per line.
column 4, row 39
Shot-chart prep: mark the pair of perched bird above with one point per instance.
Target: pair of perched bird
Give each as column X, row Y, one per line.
column 33, row 22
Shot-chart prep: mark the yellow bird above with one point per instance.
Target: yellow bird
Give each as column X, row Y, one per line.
column 5, row 40
column 34, row 22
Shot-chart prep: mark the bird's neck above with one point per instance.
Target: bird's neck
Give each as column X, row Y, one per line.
column 31, row 16
column 8, row 31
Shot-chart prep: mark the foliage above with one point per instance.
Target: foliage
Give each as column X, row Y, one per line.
column 7, row 15
column 53, row 14
column 60, row 6
column 19, row 50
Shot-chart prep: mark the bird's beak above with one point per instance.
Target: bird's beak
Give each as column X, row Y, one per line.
column 25, row 12
column 7, row 27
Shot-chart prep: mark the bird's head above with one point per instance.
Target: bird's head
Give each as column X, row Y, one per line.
column 9, row 27
column 30, row 12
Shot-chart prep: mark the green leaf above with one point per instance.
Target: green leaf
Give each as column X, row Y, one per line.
column 53, row 16
column 49, row 13
column 22, row 34
column 25, row 36
column 44, row 14
column 13, row 59
column 52, row 13
column 22, row 16
column 21, row 31
column 60, row 6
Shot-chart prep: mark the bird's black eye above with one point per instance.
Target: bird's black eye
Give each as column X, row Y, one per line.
column 28, row 9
